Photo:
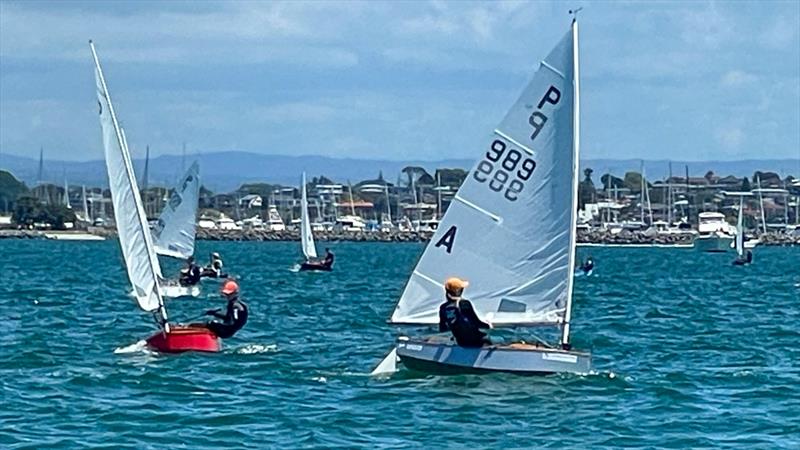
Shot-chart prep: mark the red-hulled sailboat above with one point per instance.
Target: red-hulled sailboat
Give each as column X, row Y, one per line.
column 135, row 240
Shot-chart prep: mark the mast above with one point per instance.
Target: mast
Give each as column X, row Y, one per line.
column 121, row 141
column 85, row 204
column 688, row 204
column 669, row 196
column 641, row 191
column 66, row 193
column 388, row 203
column 576, row 134
column 350, row 191
column 761, row 205
column 40, row 175
column 438, row 195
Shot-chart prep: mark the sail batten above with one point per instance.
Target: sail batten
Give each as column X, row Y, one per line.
column 134, row 236
column 510, row 230
column 174, row 234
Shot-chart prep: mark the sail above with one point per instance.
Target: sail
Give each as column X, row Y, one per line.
column 306, row 236
column 509, row 230
column 740, row 230
column 85, row 204
column 66, row 194
column 174, row 234
column 134, row 235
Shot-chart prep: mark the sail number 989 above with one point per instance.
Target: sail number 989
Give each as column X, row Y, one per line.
column 505, row 170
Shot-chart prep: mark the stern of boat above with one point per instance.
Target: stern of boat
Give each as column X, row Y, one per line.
column 185, row 339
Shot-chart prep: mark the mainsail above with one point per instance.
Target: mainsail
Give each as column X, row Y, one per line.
column 510, row 228
column 740, row 230
column 306, row 236
column 134, row 235
column 174, row 234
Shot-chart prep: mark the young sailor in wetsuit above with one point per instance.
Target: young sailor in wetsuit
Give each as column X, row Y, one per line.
column 235, row 315
column 214, row 268
column 588, row 265
column 190, row 275
column 328, row 261
column 458, row 316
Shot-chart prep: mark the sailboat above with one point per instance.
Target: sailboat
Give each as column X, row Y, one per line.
column 741, row 257
column 509, row 231
column 174, row 232
column 135, row 239
column 307, row 245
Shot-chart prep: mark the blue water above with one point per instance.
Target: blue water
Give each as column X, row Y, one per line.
column 689, row 352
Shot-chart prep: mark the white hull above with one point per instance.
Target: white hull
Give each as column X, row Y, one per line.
column 440, row 355
column 714, row 243
column 175, row 291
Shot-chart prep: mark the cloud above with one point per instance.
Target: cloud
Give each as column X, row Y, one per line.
column 736, row 78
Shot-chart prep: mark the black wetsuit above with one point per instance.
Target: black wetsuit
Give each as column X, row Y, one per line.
column 328, row 261
column 461, row 320
column 232, row 321
column 190, row 276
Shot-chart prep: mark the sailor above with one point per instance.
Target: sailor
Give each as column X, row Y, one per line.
column 749, row 257
column 328, row 260
column 190, row 275
column 458, row 316
column 588, row 265
column 214, row 268
column 235, row 315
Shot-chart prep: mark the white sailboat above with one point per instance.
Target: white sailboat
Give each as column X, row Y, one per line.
column 741, row 257
column 509, row 231
column 175, row 230
column 174, row 233
column 307, row 245
column 141, row 262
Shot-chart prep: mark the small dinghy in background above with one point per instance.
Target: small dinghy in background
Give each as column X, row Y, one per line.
column 135, row 239
column 510, row 231
column 307, row 245
column 175, row 231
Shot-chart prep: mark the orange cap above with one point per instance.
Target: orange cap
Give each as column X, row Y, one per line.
column 230, row 287
column 455, row 284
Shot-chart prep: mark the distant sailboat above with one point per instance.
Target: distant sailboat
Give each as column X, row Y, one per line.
column 141, row 262
column 509, row 231
column 741, row 257
column 174, row 233
column 307, row 245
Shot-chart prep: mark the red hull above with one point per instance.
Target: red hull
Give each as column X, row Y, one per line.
column 185, row 339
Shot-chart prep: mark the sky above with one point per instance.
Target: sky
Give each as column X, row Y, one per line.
column 683, row 80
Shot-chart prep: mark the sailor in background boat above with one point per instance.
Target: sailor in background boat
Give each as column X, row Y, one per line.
column 214, row 268
column 190, row 275
column 235, row 315
column 328, row 260
column 458, row 316
column 748, row 258
column 587, row 265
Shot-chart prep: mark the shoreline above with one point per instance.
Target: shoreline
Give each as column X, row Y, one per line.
column 584, row 239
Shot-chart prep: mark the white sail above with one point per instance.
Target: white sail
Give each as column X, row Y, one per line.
column 510, row 228
column 740, row 230
column 134, row 235
column 174, row 234
column 306, row 236
column 66, row 194
column 85, row 204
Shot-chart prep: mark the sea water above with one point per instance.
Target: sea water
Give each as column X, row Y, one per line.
column 688, row 352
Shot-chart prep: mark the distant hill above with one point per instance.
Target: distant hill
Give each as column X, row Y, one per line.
column 225, row 171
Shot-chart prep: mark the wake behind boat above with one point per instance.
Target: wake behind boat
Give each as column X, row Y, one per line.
column 510, row 231
column 135, row 238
